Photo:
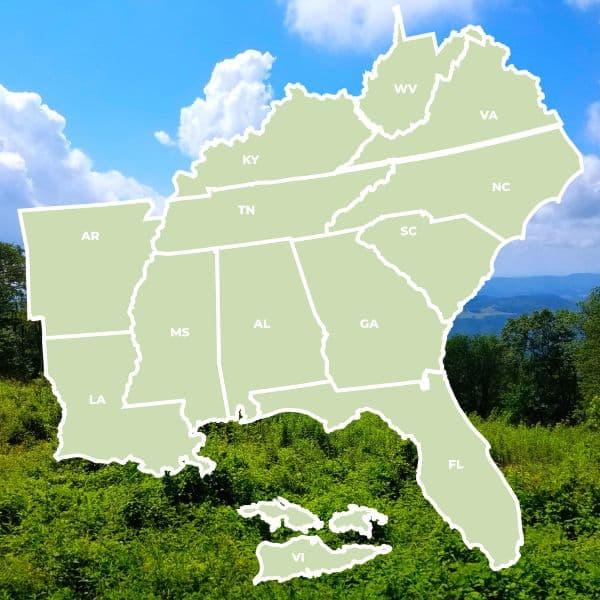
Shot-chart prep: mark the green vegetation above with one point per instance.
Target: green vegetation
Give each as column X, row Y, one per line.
column 76, row 529
column 79, row 530
column 543, row 369
column 20, row 341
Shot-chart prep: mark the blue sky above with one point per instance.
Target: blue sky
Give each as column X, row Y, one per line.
column 117, row 72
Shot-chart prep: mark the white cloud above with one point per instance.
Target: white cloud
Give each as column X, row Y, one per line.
column 583, row 4
column 235, row 98
column 39, row 166
column 361, row 23
column 561, row 238
column 593, row 122
column 581, row 202
column 164, row 138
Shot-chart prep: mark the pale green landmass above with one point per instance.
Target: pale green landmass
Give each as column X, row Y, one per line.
column 269, row 335
column 309, row 556
column 481, row 101
column 305, row 135
column 498, row 186
column 282, row 513
column 380, row 329
column 152, row 345
column 474, row 32
column 90, row 376
column 447, row 259
column 450, row 52
column 401, row 86
column 263, row 212
column 402, row 83
column 175, row 327
column 357, row 518
column 84, row 263
column 455, row 469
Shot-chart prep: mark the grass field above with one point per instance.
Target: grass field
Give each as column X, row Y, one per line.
column 78, row 530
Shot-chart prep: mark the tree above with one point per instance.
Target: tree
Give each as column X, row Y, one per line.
column 588, row 353
column 475, row 367
column 20, row 340
column 12, row 281
column 540, row 358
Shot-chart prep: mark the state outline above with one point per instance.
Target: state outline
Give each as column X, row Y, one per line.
column 455, row 64
column 373, row 165
column 358, row 412
column 399, row 35
column 372, row 516
column 559, row 125
column 283, row 521
column 253, row 131
column 404, row 274
column 310, row 573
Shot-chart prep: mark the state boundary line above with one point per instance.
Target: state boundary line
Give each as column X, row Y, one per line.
column 91, row 334
column 313, row 309
column 339, row 171
column 330, row 234
column 368, row 166
column 217, row 266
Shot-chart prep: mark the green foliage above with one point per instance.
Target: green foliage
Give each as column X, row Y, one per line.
column 529, row 374
column 12, row 279
column 477, row 369
column 591, row 412
column 76, row 529
column 20, row 340
column 79, row 530
column 28, row 413
column 588, row 352
column 543, row 385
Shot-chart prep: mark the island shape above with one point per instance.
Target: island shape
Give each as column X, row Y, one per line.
column 316, row 265
column 282, row 513
column 357, row 518
column 309, row 556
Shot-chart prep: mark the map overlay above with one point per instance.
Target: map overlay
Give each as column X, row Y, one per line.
column 314, row 266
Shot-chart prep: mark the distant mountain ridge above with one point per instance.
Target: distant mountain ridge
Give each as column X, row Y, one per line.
column 503, row 298
column 575, row 287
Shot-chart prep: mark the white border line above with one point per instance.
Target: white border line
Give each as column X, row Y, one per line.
column 342, row 169
column 249, row 511
column 407, row 278
column 315, row 314
column 376, row 164
column 368, row 517
column 74, row 336
column 205, row 465
column 356, row 415
column 369, row 189
column 218, row 333
column 409, row 436
column 399, row 37
column 315, row 540
column 432, row 221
